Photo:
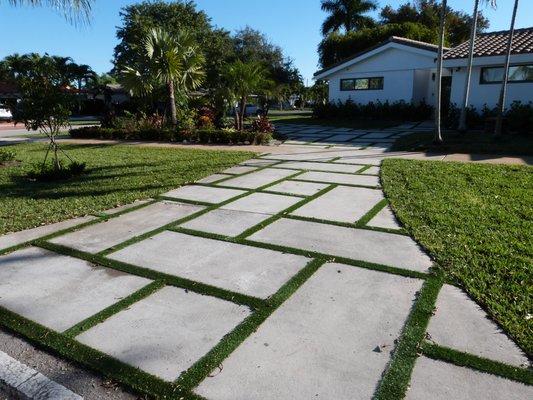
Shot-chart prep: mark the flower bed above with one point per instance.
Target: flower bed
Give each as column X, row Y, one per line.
column 202, row 136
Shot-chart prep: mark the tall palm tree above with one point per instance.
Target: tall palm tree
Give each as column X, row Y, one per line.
column 347, row 14
column 473, row 33
column 73, row 10
column 174, row 61
column 438, row 77
column 242, row 80
column 503, row 91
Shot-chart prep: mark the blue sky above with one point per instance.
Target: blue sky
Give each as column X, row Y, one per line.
column 292, row 24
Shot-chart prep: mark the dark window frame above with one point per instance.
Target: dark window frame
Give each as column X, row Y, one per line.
column 381, row 78
column 483, row 82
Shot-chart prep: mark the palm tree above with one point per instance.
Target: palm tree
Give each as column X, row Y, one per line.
column 503, row 91
column 347, row 14
column 438, row 78
column 473, row 32
column 73, row 10
column 174, row 61
column 81, row 73
column 242, row 80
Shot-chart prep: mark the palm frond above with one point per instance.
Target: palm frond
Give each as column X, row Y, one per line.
column 75, row 11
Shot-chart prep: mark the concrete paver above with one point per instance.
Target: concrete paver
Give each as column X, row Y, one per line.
column 104, row 235
column 167, row 332
column 326, row 351
column 437, row 380
column 243, row 269
column 59, row 291
column 357, row 244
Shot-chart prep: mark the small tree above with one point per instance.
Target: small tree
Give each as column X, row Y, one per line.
column 242, row 80
column 45, row 102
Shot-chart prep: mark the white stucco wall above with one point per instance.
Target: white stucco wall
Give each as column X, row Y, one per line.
column 405, row 71
column 489, row 94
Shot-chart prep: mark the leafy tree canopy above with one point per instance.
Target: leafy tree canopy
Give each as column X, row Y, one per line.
column 418, row 20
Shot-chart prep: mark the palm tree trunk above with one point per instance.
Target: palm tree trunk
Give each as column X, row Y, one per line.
column 466, row 95
column 438, row 78
column 172, row 103
column 503, row 91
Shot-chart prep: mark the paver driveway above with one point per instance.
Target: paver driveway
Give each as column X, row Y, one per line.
column 287, row 277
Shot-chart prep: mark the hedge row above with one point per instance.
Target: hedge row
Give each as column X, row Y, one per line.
column 207, row 136
column 399, row 110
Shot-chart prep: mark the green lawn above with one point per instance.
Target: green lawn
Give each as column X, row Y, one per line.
column 472, row 142
column 477, row 222
column 117, row 175
column 298, row 117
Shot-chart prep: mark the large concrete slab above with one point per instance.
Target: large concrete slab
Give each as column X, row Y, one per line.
column 371, row 171
column 377, row 135
column 437, row 380
column 342, row 204
column 459, row 323
column 298, row 188
column 18, row 238
column 385, row 219
column 167, row 332
column 214, row 178
column 357, row 244
column 317, row 166
column 104, row 235
column 204, row 194
column 239, row 169
column 259, row 178
column 262, row 203
column 226, row 222
column 346, row 179
column 321, row 342
column 244, row 269
column 126, row 207
column 257, row 162
column 59, row 291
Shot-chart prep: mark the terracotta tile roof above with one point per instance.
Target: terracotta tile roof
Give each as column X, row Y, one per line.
column 495, row 44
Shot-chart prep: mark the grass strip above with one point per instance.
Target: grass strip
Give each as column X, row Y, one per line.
column 201, row 369
column 171, row 280
column 96, row 319
column 372, row 213
column 480, row 364
column 336, row 183
column 395, row 381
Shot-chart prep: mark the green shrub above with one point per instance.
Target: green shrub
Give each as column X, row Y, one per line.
column 519, row 117
column 203, row 136
column 50, row 173
column 6, row 155
column 399, row 110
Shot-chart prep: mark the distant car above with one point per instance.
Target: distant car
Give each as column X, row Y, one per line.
column 5, row 114
column 251, row 110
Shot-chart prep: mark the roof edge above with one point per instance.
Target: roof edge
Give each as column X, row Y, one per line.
column 391, row 39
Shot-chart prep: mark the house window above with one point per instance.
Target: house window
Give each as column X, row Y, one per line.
column 517, row 73
column 362, row 84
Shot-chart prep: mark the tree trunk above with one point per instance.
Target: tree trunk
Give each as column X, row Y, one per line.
column 466, row 94
column 242, row 113
column 172, row 103
column 438, row 78
column 503, row 91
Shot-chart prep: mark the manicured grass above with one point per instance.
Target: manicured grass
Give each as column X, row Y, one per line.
column 472, row 142
column 116, row 175
column 307, row 118
column 477, row 222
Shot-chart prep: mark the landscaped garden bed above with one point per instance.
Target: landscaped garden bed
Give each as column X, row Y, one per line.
column 476, row 221
column 115, row 175
column 202, row 136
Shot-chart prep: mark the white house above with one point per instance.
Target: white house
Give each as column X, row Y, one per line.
column 487, row 73
column 404, row 69
column 398, row 69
